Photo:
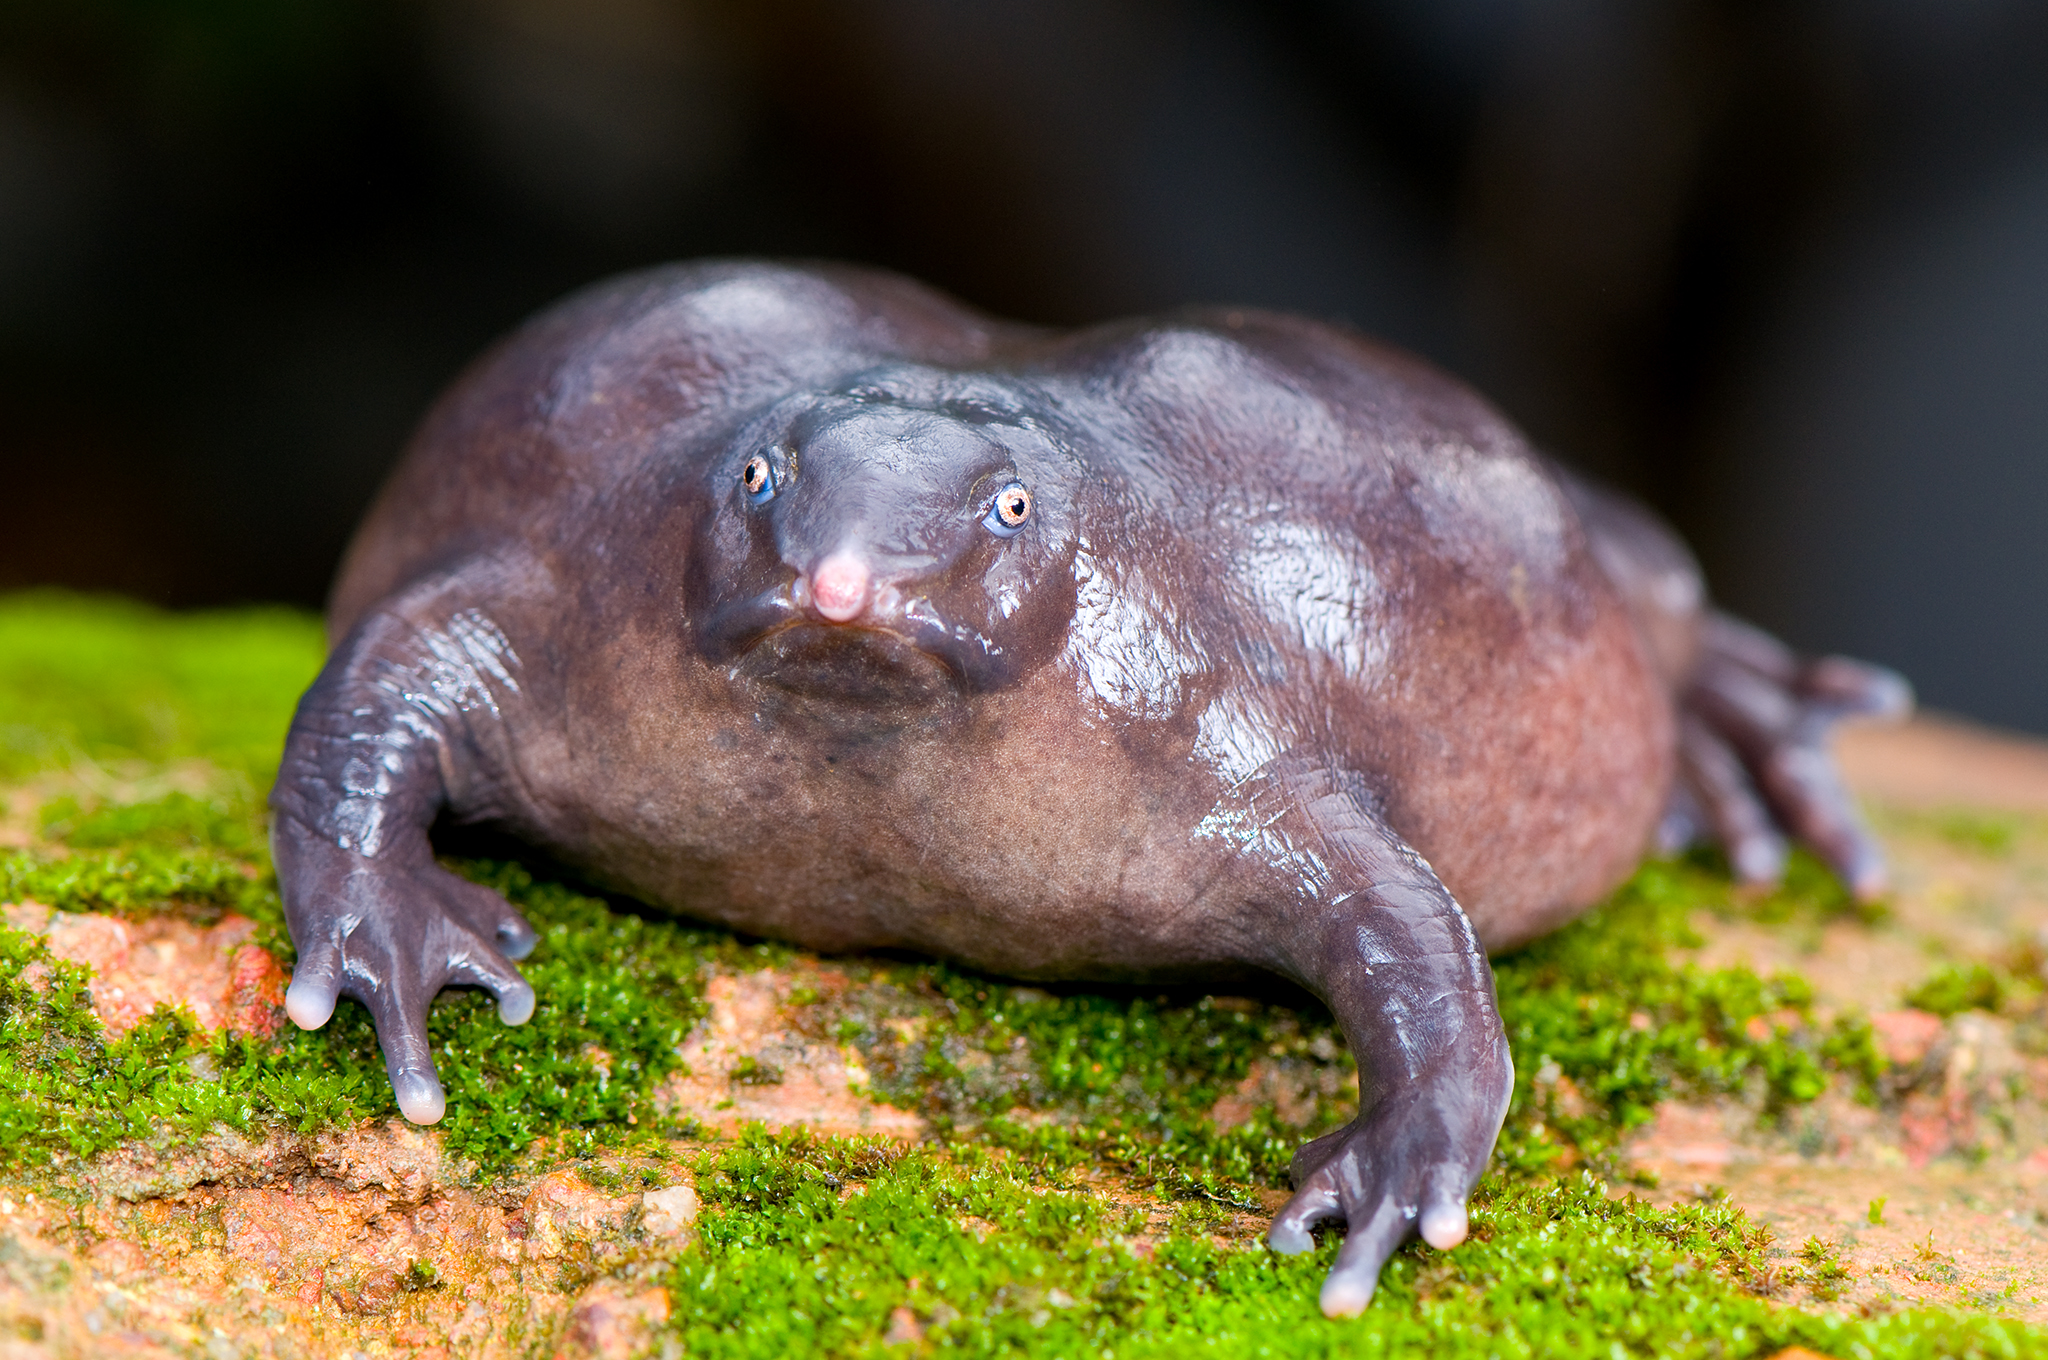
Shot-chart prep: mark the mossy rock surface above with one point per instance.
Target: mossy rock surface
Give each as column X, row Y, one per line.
column 715, row 1146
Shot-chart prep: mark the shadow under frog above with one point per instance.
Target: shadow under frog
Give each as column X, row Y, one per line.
column 806, row 601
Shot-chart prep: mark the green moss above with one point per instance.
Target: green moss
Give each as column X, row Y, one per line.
column 140, row 878
column 65, row 1088
column 1826, row 1273
column 1601, row 1003
column 112, row 681
column 810, row 1246
column 1602, row 1023
column 617, row 994
column 1133, row 1077
column 176, row 821
column 1990, row 834
column 997, row 1237
column 1986, row 833
column 1955, row 988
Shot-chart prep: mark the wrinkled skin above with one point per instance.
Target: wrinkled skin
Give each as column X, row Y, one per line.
column 715, row 582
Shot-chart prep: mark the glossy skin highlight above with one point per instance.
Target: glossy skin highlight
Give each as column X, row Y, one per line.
column 808, row 602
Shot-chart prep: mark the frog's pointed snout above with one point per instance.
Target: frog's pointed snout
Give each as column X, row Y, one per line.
column 840, row 587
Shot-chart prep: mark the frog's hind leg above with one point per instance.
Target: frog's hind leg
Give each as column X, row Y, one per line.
column 1753, row 751
column 1753, row 716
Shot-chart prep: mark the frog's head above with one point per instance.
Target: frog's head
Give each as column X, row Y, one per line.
column 905, row 529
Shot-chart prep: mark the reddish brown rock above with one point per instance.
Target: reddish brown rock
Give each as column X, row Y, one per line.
column 749, row 1061
column 1301, row 1093
column 1936, row 761
column 1904, row 1037
column 562, row 1208
column 213, row 972
column 365, row 1241
column 904, row 1328
column 1686, row 1141
column 670, row 1214
column 255, row 992
column 611, row 1323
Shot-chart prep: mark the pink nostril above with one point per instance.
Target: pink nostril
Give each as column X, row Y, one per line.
column 839, row 587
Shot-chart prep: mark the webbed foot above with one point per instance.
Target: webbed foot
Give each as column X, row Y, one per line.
column 392, row 935
column 1754, row 762
column 1404, row 1167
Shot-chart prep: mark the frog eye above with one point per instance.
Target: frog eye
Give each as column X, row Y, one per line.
column 1011, row 508
column 757, row 479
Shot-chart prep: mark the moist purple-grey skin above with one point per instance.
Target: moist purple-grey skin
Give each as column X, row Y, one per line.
column 806, row 601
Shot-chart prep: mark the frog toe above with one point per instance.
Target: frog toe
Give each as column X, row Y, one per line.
column 408, row 1061
column 1388, row 1176
column 1732, row 811
column 485, row 968
column 492, row 917
column 315, row 988
column 1754, row 750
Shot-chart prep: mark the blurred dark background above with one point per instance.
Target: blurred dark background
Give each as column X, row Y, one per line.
column 1782, row 269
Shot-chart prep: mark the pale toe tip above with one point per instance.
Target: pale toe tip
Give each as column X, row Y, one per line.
column 1444, row 1227
column 1345, row 1296
column 515, row 1007
column 420, row 1098
column 308, row 1005
column 1289, row 1240
column 1759, row 863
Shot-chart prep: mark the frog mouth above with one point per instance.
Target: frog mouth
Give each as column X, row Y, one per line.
column 852, row 666
column 910, row 652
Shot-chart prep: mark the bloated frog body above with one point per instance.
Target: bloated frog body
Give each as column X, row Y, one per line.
column 806, row 601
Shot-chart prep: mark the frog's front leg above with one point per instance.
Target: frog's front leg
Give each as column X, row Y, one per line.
column 1364, row 923
column 412, row 700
